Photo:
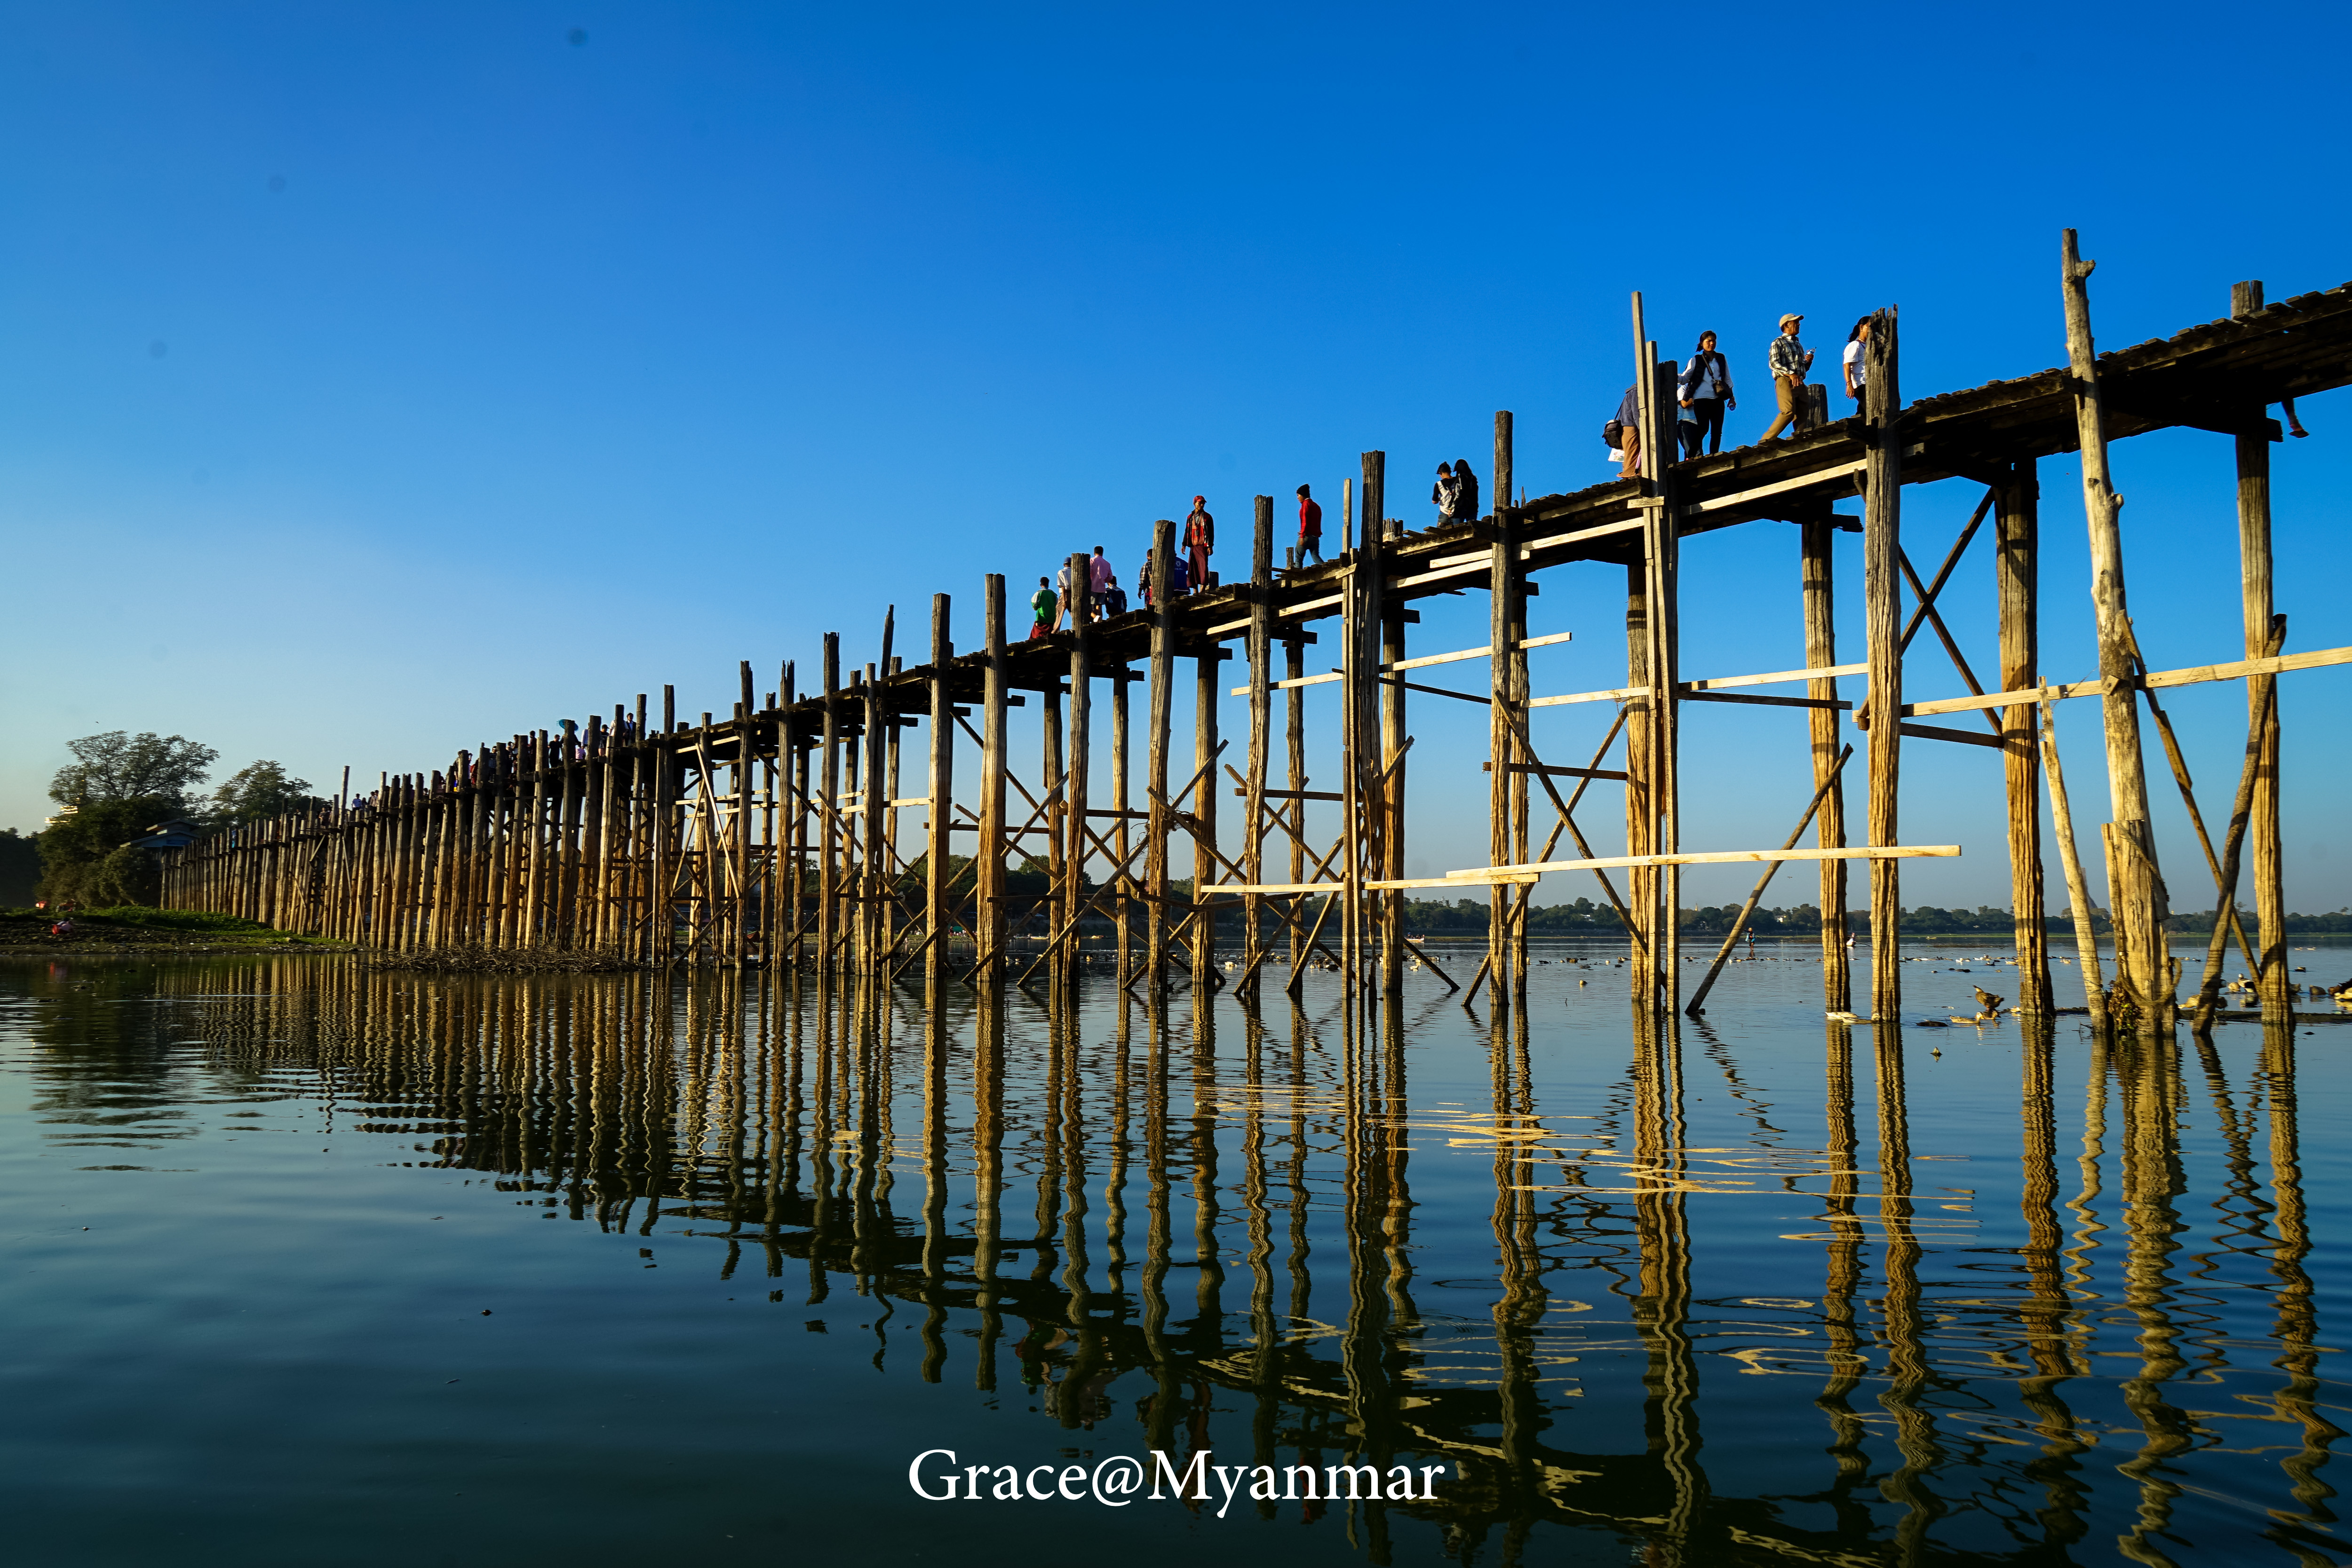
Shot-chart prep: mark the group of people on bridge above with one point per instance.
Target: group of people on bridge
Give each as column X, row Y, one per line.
column 1703, row 392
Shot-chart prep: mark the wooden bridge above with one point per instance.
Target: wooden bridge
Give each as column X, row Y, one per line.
column 774, row 835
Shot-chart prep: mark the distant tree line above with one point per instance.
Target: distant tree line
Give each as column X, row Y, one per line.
column 119, row 788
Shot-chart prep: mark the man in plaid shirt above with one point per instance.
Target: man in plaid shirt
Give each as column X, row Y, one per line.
column 1790, row 361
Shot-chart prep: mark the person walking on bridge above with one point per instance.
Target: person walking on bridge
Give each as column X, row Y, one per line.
column 1465, row 491
column 1446, row 493
column 1790, row 359
column 1199, row 540
column 1310, row 528
column 1705, row 393
column 1109, row 599
column 1046, row 606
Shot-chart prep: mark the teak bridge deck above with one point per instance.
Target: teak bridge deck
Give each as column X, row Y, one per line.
column 772, row 836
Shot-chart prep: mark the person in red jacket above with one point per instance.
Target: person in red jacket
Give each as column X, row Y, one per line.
column 1199, row 540
column 1310, row 528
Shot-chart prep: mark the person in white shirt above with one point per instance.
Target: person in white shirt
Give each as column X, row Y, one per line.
column 1857, row 362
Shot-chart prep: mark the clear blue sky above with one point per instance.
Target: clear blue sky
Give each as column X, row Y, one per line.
column 377, row 381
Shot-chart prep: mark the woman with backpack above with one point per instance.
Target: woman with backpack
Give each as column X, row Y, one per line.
column 1705, row 393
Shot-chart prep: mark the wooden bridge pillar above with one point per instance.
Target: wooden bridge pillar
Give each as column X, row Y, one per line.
column 1081, row 738
column 1163, row 691
column 1882, row 580
column 939, row 787
column 2142, row 962
column 2017, row 580
column 2263, row 816
column 1204, row 813
column 828, row 866
column 1505, row 629
column 988, row 854
column 1818, row 578
column 1261, row 728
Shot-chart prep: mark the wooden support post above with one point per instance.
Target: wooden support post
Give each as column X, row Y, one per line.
column 1391, row 802
column 874, row 851
column 1055, row 792
column 988, row 870
column 1502, row 733
column 661, row 909
column 1362, row 683
column 828, row 872
column 2017, row 578
column 738, row 903
column 1261, row 729
column 2078, row 887
column 1640, row 788
column 1818, row 580
column 1122, row 800
column 938, row 906
column 1882, row 589
column 2141, row 959
column 1204, row 811
column 1074, row 896
column 2268, row 855
column 1294, row 667
column 1660, row 551
column 1155, row 767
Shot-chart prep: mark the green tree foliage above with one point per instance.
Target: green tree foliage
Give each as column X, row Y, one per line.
column 116, row 766
column 20, row 866
column 119, row 785
column 258, row 790
column 83, row 858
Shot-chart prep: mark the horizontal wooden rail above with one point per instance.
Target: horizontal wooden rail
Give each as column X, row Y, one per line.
column 1555, row 772
column 1827, row 672
column 1467, row 653
column 2195, row 675
column 1712, row 857
column 1803, row 482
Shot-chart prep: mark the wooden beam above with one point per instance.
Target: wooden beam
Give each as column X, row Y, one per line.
column 1559, row 773
column 1709, row 857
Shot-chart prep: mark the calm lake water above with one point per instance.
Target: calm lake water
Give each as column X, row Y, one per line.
column 311, row 1265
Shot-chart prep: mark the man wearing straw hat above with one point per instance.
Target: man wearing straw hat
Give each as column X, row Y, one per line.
column 1790, row 361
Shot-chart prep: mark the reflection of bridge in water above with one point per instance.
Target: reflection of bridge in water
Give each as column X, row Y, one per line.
column 774, row 1120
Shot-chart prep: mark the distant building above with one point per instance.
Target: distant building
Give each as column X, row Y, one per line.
column 172, row 835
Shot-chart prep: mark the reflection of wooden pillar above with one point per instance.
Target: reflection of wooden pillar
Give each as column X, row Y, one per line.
column 2017, row 574
column 1843, row 1276
column 988, row 1155
column 2263, row 818
column 1819, row 578
column 1882, row 589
